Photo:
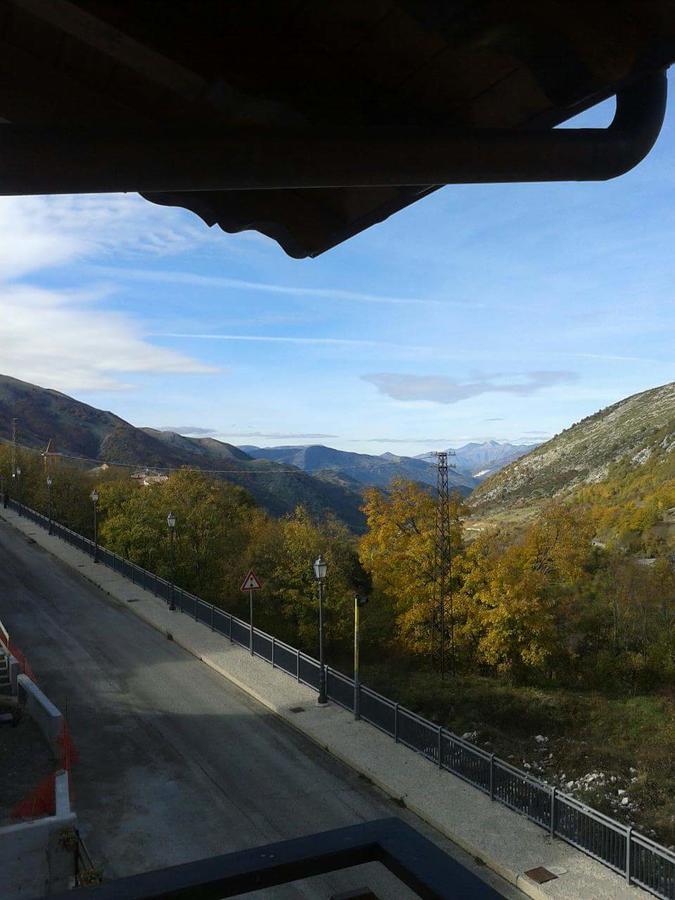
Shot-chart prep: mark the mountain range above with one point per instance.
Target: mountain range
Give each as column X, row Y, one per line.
column 360, row 468
column 484, row 459
column 324, row 480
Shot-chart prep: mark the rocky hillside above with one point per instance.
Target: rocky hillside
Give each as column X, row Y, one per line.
column 636, row 429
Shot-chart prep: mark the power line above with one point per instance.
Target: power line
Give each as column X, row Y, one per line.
column 150, row 467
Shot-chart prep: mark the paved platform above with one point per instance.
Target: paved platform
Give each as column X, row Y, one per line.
column 504, row 841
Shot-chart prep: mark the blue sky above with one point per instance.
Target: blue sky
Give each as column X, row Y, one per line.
column 503, row 311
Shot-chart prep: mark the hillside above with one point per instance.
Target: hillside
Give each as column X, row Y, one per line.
column 480, row 460
column 77, row 429
column 358, row 468
column 630, row 432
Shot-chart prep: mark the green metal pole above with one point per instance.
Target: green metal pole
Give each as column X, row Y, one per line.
column 357, row 687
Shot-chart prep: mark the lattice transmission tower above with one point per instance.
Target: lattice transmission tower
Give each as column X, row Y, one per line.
column 443, row 617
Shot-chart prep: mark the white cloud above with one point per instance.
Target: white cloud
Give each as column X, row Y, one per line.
column 64, row 341
column 289, row 339
column 440, row 389
column 278, row 435
column 216, row 281
column 39, row 232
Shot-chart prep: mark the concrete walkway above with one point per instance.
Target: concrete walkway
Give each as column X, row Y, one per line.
column 503, row 840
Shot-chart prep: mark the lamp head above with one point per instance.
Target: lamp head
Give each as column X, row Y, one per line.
column 320, row 568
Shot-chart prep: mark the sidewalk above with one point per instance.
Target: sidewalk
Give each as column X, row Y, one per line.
column 503, row 840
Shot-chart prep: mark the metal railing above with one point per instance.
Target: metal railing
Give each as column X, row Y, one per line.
column 640, row 860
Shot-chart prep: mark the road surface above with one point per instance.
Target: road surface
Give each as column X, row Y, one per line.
column 176, row 763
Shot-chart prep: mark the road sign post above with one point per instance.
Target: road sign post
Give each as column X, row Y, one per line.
column 250, row 584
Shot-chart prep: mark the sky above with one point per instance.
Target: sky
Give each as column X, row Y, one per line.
column 483, row 311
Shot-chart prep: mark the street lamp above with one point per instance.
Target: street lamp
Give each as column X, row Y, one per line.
column 18, row 486
column 94, row 501
column 358, row 603
column 320, row 569
column 171, row 524
column 49, row 502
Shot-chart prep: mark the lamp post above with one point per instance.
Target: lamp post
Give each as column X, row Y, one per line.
column 49, row 502
column 358, row 603
column 320, row 569
column 94, row 502
column 18, row 487
column 171, row 525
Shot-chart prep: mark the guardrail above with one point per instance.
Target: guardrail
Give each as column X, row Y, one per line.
column 640, row 860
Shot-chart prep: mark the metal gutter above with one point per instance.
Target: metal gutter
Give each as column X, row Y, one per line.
column 47, row 162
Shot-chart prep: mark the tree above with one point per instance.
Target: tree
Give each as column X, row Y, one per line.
column 398, row 552
column 210, row 535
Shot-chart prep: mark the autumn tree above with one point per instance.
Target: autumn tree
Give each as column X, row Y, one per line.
column 518, row 596
column 398, row 552
column 210, row 535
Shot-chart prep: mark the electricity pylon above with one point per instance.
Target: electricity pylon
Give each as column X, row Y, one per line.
column 444, row 624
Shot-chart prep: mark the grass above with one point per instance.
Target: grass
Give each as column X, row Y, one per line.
column 599, row 748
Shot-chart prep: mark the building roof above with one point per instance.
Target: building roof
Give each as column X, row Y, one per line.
column 309, row 121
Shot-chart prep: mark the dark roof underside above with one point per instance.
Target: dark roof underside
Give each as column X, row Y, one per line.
column 398, row 67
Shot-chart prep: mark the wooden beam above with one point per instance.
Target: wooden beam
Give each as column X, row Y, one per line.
column 155, row 67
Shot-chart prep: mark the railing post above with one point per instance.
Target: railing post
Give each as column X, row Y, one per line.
column 552, row 824
column 396, row 722
column 629, row 832
column 231, row 638
column 492, row 776
column 212, row 613
column 273, row 643
column 440, row 746
column 297, row 665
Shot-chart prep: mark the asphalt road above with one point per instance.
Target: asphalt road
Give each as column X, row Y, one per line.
column 176, row 763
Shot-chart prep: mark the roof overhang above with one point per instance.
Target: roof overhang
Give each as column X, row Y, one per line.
column 310, row 122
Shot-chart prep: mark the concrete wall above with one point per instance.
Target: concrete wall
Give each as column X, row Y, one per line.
column 42, row 710
column 14, row 672
column 39, row 857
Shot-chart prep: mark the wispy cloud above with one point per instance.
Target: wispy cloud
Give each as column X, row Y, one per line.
column 440, row 389
column 216, row 281
column 286, row 339
column 40, row 232
column 190, row 430
column 403, row 440
column 279, row 435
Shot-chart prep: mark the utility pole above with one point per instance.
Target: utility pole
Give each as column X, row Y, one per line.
column 443, row 569
column 14, row 447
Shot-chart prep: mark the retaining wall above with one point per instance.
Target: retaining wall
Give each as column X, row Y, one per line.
column 40, row 708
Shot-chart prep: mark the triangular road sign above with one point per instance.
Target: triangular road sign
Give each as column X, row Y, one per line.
column 251, row 583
